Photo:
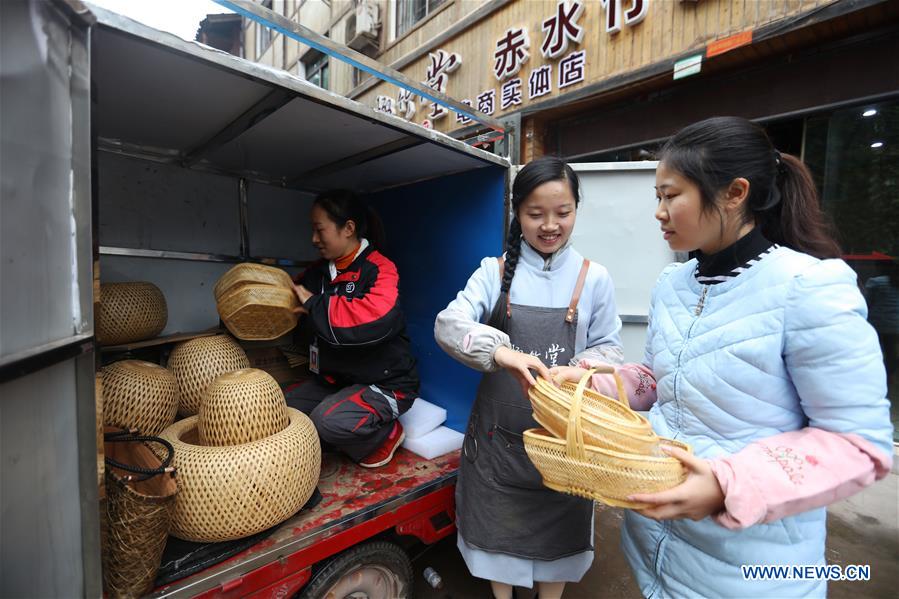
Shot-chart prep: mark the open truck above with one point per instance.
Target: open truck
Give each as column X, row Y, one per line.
column 130, row 154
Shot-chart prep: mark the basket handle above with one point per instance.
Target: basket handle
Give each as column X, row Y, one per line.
column 131, row 436
column 574, row 447
column 619, row 384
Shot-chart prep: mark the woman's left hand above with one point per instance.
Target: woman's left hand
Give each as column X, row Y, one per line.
column 696, row 498
column 563, row 374
column 302, row 293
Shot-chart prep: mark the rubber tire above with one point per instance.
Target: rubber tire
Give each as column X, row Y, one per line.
column 382, row 553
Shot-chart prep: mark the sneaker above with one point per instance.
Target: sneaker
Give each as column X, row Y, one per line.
column 384, row 453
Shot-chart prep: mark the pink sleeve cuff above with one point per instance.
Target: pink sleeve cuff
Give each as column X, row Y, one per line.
column 639, row 383
column 794, row 472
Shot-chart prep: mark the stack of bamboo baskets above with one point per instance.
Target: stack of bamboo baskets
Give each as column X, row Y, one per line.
column 596, row 447
column 256, row 302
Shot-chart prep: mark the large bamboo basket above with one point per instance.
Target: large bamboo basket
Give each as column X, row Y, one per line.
column 259, row 312
column 139, row 395
column 130, row 312
column 240, row 407
column 235, row 491
column 198, row 362
column 250, row 274
column 606, row 422
column 572, row 466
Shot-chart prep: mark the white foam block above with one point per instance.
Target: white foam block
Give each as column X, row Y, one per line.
column 437, row 442
column 422, row 418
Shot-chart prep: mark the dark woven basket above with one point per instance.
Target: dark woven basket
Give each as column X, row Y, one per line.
column 140, row 493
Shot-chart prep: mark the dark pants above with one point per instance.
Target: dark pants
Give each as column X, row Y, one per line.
column 355, row 419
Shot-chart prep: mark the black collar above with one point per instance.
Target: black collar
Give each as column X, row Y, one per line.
column 748, row 247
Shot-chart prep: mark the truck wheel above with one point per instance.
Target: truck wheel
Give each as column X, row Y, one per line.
column 378, row 570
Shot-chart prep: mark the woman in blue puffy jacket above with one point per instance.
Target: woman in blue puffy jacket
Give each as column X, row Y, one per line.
column 759, row 356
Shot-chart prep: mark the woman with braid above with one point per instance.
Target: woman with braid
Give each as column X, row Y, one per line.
column 544, row 305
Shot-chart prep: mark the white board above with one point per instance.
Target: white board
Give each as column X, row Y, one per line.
column 616, row 227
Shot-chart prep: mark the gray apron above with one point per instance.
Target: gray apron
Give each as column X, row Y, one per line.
column 501, row 502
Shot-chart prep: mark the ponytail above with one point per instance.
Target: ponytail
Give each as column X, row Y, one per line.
column 797, row 220
column 782, row 198
column 376, row 235
column 343, row 205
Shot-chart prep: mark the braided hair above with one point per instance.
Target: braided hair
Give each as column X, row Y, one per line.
column 534, row 174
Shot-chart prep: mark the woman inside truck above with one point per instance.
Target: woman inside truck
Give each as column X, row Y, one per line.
column 544, row 305
column 757, row 355
column 360, row 352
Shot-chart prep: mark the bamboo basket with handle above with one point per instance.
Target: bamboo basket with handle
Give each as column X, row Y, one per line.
column 570, row 465
column 607, row 422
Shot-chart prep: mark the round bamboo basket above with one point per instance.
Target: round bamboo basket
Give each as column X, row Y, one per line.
column 571, row 466
column 139, row 395
column 197, row 362
column 606, row 422
column 240, row 407
column 259, row 312
column 235, row 491
column 251, row 274
column 130, row 312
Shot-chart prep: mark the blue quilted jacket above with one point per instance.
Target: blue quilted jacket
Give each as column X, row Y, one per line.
column 781, row 347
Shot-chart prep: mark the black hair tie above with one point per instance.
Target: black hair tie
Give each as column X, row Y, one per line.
column 779, row 165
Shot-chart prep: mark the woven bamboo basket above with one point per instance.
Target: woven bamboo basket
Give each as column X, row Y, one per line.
column 139, row 395
column 259, row 312
column 198, row 362
column 140, row 498
column 130, row 312
column 232, row 492
column 250, row 274
column 607, row 422
column 240, row 407
column 571, row 466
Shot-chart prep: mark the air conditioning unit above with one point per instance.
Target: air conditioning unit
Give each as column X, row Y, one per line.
column 362, row 27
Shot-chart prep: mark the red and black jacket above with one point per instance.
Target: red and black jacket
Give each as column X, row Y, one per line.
column 360, row 328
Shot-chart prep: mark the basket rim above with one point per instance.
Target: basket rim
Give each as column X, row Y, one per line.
column 219, row 289
column 638, row 431
column 543, row 436
column 185, row 425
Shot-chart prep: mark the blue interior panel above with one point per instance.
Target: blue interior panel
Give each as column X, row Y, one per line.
column 437, row 233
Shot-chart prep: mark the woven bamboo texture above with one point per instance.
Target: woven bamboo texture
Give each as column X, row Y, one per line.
column 240, row 407
column 572, row 466
column 198, row 362
column 130, row 312
column 250, row 274
column 606, row 421
column 259, row 312
column 236, row 491
column 136, row 524
column 139, row 395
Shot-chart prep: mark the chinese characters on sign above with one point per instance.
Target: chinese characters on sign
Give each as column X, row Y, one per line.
column 635, row 14
column 487, row 101
column 405, row 105
column 562, row 34
column 571, row 69
column 540, row 82
column 512, row 51
column 562, row 27
column 511, row 94
column 440, row 66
